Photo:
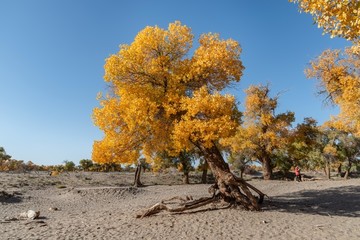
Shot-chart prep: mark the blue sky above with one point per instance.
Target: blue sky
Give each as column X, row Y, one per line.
column 52, row 55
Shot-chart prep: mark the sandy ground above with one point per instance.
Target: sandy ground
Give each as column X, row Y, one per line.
column 104, row 206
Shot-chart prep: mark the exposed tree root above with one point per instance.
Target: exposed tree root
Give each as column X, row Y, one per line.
column 187, row 206
column 228, row 188
column 261, row 194
column 182, row 199
column 237, row 193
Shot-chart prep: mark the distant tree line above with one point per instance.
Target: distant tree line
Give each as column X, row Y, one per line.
column 312, row 147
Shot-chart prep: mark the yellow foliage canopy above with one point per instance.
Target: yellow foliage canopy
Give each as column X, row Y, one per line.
column 161, row 100
column 262, row 131
column 337, row 17
column 339, row 77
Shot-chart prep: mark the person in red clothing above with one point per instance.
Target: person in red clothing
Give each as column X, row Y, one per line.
column 297, row 174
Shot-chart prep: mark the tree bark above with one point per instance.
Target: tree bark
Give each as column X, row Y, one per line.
column 231, row 188
column 186, row 166
column 204, row 172
column 186, row 178
column 267, row 169
column 137, row 182
column 242, row 170
column 339, row 170
column 327, row 170
column 347, row 172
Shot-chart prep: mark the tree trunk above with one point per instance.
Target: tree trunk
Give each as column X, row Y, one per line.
column 346, row 176
column 186, row 178
column 339, row 170
column 242, row 170
column 204, row 172
column 327, row 169
column 347, row 172
column 230, row 187
column 267, row 169
column 137, row 182
column 185, row 161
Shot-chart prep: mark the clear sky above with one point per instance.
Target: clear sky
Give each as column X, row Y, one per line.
column 52, row 54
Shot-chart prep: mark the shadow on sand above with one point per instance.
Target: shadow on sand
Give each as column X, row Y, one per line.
column 340, row 201
column 6, row 197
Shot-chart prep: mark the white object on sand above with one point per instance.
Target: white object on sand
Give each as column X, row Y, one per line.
column 30, row 214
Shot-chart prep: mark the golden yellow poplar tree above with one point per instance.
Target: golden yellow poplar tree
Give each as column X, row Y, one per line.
column 164, row 100
column 329, row 144
column 338, row 71
column 303, row 140
column 263, row 131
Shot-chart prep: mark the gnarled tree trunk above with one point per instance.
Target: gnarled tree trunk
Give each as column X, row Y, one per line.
column 227, row 187
column 230, row 187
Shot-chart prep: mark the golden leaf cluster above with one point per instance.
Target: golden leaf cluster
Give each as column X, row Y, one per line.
column 208, row 118
column 337, row 17
column 263, row 131
column 339, row 76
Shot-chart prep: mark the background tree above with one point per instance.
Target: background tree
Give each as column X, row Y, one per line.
column 239, row 161
column 164, row 100
column 86, row 164
column 204, row 167
column 330, row 154
column 57, row 168
column 183, row 162
column 69, row 166
column 350, row 149
column 110, row 167
column 302, row 140
column 263, row 131
column 3, row 155
column 325, row 152
column 282, row 161
column 30, row 166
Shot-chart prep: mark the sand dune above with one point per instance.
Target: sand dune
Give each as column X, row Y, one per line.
column 104, row 206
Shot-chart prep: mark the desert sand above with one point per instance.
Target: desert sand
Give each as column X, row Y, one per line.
column 104, row 206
